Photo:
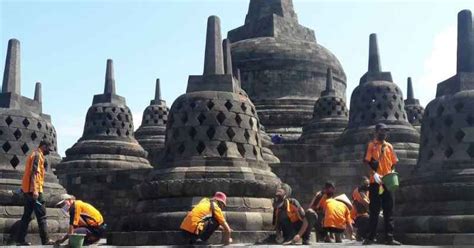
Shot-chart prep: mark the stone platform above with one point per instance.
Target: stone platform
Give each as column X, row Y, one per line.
column 325, row 245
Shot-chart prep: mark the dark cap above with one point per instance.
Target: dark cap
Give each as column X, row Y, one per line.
column 46, row 143
column 329, row 184
column 381, row 126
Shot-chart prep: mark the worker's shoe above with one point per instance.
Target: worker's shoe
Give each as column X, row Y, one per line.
column 368, row 242
column 392, row 242
column 338, row 237
column 24, row 243
column 306, row 242
column 48, row 242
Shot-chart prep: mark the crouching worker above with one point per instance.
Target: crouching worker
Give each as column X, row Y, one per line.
column 288, row 215
column 314, row 216
column 360, row 210
column 84, row 219
column 205, row 218
column 337, row 218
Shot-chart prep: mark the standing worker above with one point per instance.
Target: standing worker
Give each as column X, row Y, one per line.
column 360, row 210
column 204, row 219
column 83, row 219
column 382, row 159
column 32, row 187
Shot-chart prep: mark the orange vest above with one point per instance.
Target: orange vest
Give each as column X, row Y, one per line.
column 359, row 209
column 291, row 211
column 33, row 178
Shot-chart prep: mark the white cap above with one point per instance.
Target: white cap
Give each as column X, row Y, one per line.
column 343, row 198
column 65, row 197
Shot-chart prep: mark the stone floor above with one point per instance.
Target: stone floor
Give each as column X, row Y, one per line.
column 324, row 245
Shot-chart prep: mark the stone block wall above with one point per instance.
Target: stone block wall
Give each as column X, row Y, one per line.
column 111, row 192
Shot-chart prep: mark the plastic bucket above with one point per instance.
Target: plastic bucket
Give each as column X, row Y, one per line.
column 391, row 181
column 76, row 240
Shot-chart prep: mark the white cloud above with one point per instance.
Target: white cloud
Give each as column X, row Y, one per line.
column 440, row 65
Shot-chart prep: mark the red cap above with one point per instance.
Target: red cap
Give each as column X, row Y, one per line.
column 220, row 196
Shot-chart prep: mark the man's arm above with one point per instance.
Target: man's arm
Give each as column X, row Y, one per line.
column 66, row 237
column 364, row 199
column 315, row 199
column 34, row 176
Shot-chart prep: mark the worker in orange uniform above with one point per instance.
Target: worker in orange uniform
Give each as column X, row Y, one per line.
column 83, row 219
column 360, row 210
column 382, row 159
column 204, row 219
column 314, row 215
column 288, row 215
column 337, row 218
column 32, row 188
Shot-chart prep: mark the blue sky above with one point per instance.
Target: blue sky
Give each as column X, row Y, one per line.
column 65, row 45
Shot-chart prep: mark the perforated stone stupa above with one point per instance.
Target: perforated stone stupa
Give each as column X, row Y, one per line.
column 413, row 108
column 108, row 142
column 213, row 143
column 151, row 133
column 330, row 117
column 377, row 99
column 436, row 206
column 283, row 68
column 22, row 126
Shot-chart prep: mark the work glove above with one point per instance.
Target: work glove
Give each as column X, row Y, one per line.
column 374, row 164
column 377, row 178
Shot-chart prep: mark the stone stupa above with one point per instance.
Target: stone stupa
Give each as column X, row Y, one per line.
column 330, row 117
column 413, row 108
column 436, row 206
column 283, row 68
column 22, row 126
column 377, row 99
column 213, row 143
column 151, row 133
column 108, row 142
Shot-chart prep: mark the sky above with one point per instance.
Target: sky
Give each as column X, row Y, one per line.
column 65, row 45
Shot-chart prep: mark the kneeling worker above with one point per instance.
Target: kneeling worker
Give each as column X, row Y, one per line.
column 288, row 215
column 84, row 219
column 337, row 217
column 204, row 219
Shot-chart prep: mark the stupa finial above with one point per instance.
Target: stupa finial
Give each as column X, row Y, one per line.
column 227, row 57
column 465, row 53
column 109, row 78
column 38, row 95
column 213, row 58
column 374, row 56
column 11, row 75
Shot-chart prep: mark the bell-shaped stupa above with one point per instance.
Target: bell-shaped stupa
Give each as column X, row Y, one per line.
column 436, row 206
column 377, row 99
column 151, row 134
column 22, row 126
column 412, row 107
column 108, row 142
column 283, row 68
column 330, row 117
column 213, row 143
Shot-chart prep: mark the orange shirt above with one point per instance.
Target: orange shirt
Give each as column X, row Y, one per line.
column 82, row 214
column 386, row 157
column 359, row 209
column 193, row 221
column 337, row 214
column 33, row 178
